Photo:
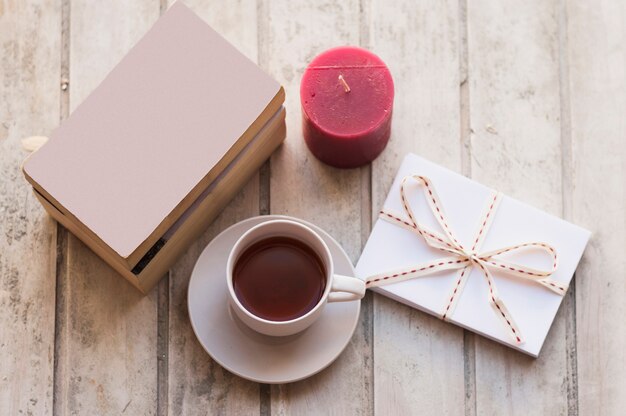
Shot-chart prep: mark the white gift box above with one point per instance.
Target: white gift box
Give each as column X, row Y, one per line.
column 392, row 248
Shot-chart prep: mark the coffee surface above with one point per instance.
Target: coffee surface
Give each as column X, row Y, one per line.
column 279, row 278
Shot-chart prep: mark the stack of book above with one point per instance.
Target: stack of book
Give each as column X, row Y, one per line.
column 153, row 155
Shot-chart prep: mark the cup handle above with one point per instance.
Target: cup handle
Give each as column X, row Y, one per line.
column 346, row 288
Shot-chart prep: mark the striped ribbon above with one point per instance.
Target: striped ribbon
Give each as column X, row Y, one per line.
column 463, row 258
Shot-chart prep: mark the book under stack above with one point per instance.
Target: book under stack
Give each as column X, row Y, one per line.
column 153, row 155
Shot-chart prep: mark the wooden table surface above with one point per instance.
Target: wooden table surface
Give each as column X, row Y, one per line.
column 526, row 96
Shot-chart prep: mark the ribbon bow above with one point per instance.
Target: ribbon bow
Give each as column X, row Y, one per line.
column 463, row 258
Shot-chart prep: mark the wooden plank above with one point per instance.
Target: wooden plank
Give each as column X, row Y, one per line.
column 29, row 104
column 515, row 116
column 596, row 57
column 107, row 330
column 293, row 32
column 418, row 359
column 195, row 383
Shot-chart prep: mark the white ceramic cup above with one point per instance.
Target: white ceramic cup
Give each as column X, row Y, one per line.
column 338, row 288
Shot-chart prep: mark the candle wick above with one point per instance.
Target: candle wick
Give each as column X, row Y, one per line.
column 346, row 87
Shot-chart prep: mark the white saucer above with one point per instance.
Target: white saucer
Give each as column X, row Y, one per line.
column 247, row 353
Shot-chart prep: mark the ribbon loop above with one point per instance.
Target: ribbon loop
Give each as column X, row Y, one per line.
column 464, row 259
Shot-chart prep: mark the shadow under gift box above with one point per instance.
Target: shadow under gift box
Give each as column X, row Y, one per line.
column 152, row 156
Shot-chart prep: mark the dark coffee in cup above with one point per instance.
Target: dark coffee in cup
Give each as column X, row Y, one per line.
column 279, row 278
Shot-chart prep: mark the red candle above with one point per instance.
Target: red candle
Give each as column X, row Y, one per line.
column 347, row 98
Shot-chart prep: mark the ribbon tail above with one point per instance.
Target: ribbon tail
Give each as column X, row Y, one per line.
column 504, row 314
column 557, row 287
column 500, row 308
column 455, row 293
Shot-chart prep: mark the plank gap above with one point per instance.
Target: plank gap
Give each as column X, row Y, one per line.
column 571, row 351
column 565, row 116
column 163, row 5
column 163, row 336
column 64, row 82
column 464, row 91
column 469, row 339
column 59, row 372
column 469, row 367
column 567, row 188
column 264, row 189
column 364, row 23
column 265, row 402
column 367, row 313
column 367, row 304
column 262, row 19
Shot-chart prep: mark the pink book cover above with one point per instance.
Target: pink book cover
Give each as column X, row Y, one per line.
column 147, row 136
